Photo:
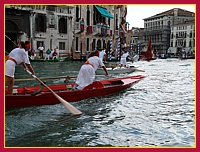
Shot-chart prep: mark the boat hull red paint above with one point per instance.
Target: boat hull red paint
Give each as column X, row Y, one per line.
column 111, row 86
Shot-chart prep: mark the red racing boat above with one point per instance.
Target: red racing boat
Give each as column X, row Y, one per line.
column 36, row 96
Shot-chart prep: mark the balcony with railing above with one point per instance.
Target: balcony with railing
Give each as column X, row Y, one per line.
column 157, row 28
column 180, row 36
column 102, row 30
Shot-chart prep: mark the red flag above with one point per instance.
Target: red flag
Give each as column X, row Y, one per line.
column 148, row 53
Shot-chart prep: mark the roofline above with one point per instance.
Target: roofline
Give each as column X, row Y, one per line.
column 166, row 13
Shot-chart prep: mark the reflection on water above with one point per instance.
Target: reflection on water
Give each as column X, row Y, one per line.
column 157, row 111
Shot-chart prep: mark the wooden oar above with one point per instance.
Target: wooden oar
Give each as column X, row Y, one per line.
column 46, row 78
column 137, row 69
column 71, row 108
column 114, row 66
column 109, row 76
column 11, row 40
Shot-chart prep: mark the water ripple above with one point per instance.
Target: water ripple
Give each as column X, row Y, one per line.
column 157, row 111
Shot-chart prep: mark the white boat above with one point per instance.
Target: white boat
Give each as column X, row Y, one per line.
column 116, row 70
column 132, row 65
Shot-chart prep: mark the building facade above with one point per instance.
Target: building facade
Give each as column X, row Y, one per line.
column 46, row 25
column 75, row 29
column 98, row 27
column 182, row 40
column 158, row 27
column 132, row 39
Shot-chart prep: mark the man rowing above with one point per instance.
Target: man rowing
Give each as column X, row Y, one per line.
column 17, row 56
column 86, row 75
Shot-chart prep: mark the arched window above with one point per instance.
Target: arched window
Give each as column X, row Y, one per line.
column 94, row 16
column 78, row 13
column 184, row 44
column 108, row 48
column 104, row 44
column 11, row 26
column 98, row 44
column 40, row 23
column 93, row 44
column 63, row 25
column 88, row 45
column 109, row 21
column 171, row 44
column 168, row 23
column 190, row 44
column 116, row 22
column 190, row 34
column 88, row 15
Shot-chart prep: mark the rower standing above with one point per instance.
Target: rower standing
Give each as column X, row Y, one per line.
column 17, row 56
column 123, row 59
column 86, row 75
column 102, row 55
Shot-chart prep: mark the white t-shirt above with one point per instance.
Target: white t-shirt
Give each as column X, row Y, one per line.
column 20, row 55
column 123, row 58
column 86, row 74
column 101, row 54
column 41, row 48
column 124, row 55
column 96, row 62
